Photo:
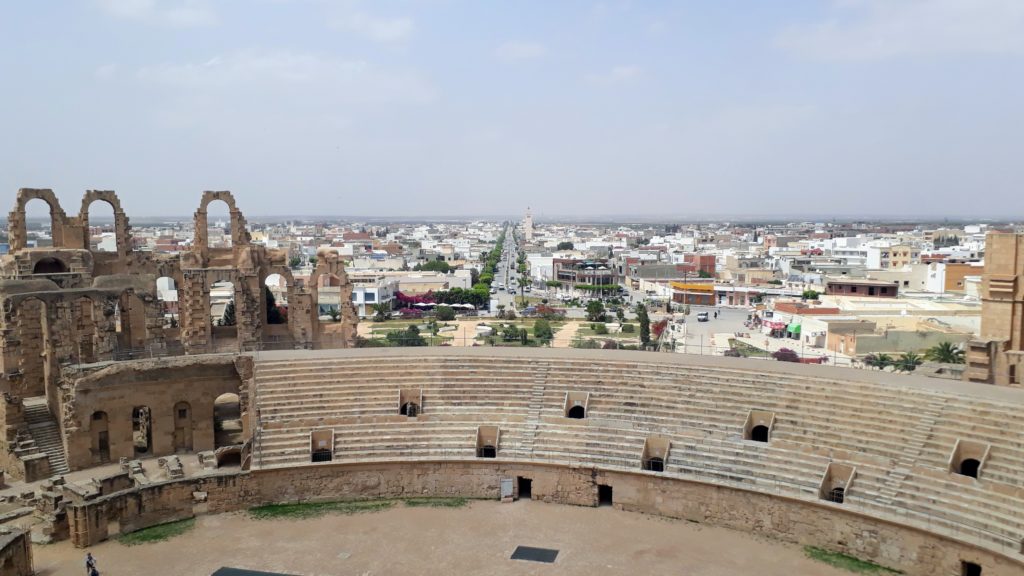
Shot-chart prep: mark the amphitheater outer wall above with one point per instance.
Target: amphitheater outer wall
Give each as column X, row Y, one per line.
column 824, row 525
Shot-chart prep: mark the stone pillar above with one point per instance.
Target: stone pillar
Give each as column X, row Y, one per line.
column 194, row 311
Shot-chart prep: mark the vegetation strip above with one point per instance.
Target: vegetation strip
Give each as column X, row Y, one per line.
column 314, row 509
column 847, row 562
column 157, row 533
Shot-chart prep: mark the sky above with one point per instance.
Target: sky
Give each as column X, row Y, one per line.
column 839, row 108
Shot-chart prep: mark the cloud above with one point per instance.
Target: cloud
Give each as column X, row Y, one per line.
column 384, row 30
column 105, row 72
column 175, row 13
column 617, row 75
column 511, row 51
column 271, row 73
column 881, row 29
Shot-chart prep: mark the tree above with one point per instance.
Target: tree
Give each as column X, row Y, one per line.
column 524, row 337
column 434, row 266
column 620, row 315
column 786, row 355
column 908, row 362
column 553, row 284
column 408, row 337
column 381, row 312
column 445, row 313
column 228, row 318
column 542, row 331
column 274, row 315
column 645, row 324
column 703, row 274
column 595, row 311
column 946, row 353
column 810, row 294
column 564, row 246
column 295, row 262
column 880, row 361
column 510, row 333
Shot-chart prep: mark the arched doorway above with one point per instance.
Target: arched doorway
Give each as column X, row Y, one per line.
column 50, row 266
column 837, row 495
column 577, row 412
column 40, row 216
column 410, row 409
column 167, row 295
column 223, row 315
column 142, row 430
column 227, row 420
column 970, row 467
column 100, row 427
column 102, row 227
column 182, row 427
column 759, row 433
column 218, row 224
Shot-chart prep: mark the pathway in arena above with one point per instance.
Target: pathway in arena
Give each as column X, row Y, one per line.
column 480, row 538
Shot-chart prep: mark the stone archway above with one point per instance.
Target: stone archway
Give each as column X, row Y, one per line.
column 227, row 420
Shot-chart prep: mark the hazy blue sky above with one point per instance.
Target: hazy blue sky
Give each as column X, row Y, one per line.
column 887, row 107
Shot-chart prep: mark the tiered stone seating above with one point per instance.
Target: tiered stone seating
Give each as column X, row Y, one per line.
column 898, row 438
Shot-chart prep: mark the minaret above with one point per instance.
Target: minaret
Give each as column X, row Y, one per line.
column 528, row 225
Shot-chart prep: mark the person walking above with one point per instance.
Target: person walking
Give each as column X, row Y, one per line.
column 90, row 565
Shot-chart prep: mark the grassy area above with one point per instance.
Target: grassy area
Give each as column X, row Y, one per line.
column 157, row 533
column 436, row 502
column 585, row 331
column 847, row 562
column 314, row 509
column 746, row 350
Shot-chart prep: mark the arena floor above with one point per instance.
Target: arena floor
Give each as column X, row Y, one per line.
column 477, row 539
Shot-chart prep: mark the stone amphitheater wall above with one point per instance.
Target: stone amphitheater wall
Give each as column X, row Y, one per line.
column 824, row 525
column 162, row 385
column 15, row 554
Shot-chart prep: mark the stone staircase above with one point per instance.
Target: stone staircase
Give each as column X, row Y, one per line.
column 45, row 433
column 540, row 378
column 915, row 443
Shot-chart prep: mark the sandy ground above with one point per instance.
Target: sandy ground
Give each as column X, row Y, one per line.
column 478, row 539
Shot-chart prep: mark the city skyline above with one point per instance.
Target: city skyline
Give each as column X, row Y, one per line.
column 866, row 108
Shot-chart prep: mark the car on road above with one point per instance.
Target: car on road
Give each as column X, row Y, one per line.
column 702, row 316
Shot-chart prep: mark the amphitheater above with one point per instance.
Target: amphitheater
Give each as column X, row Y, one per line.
column 921, row 475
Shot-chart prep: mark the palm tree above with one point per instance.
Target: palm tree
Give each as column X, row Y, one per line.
column 880, row 361
column 945, row 353
column 382, row 312
column 908, row 362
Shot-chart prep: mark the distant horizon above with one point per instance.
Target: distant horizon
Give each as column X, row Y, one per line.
column 625, row 219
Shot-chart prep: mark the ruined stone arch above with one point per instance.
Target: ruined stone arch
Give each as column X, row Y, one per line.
column 239, row 230
column 329, row 263
column 122, row 230
column 16, row 219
